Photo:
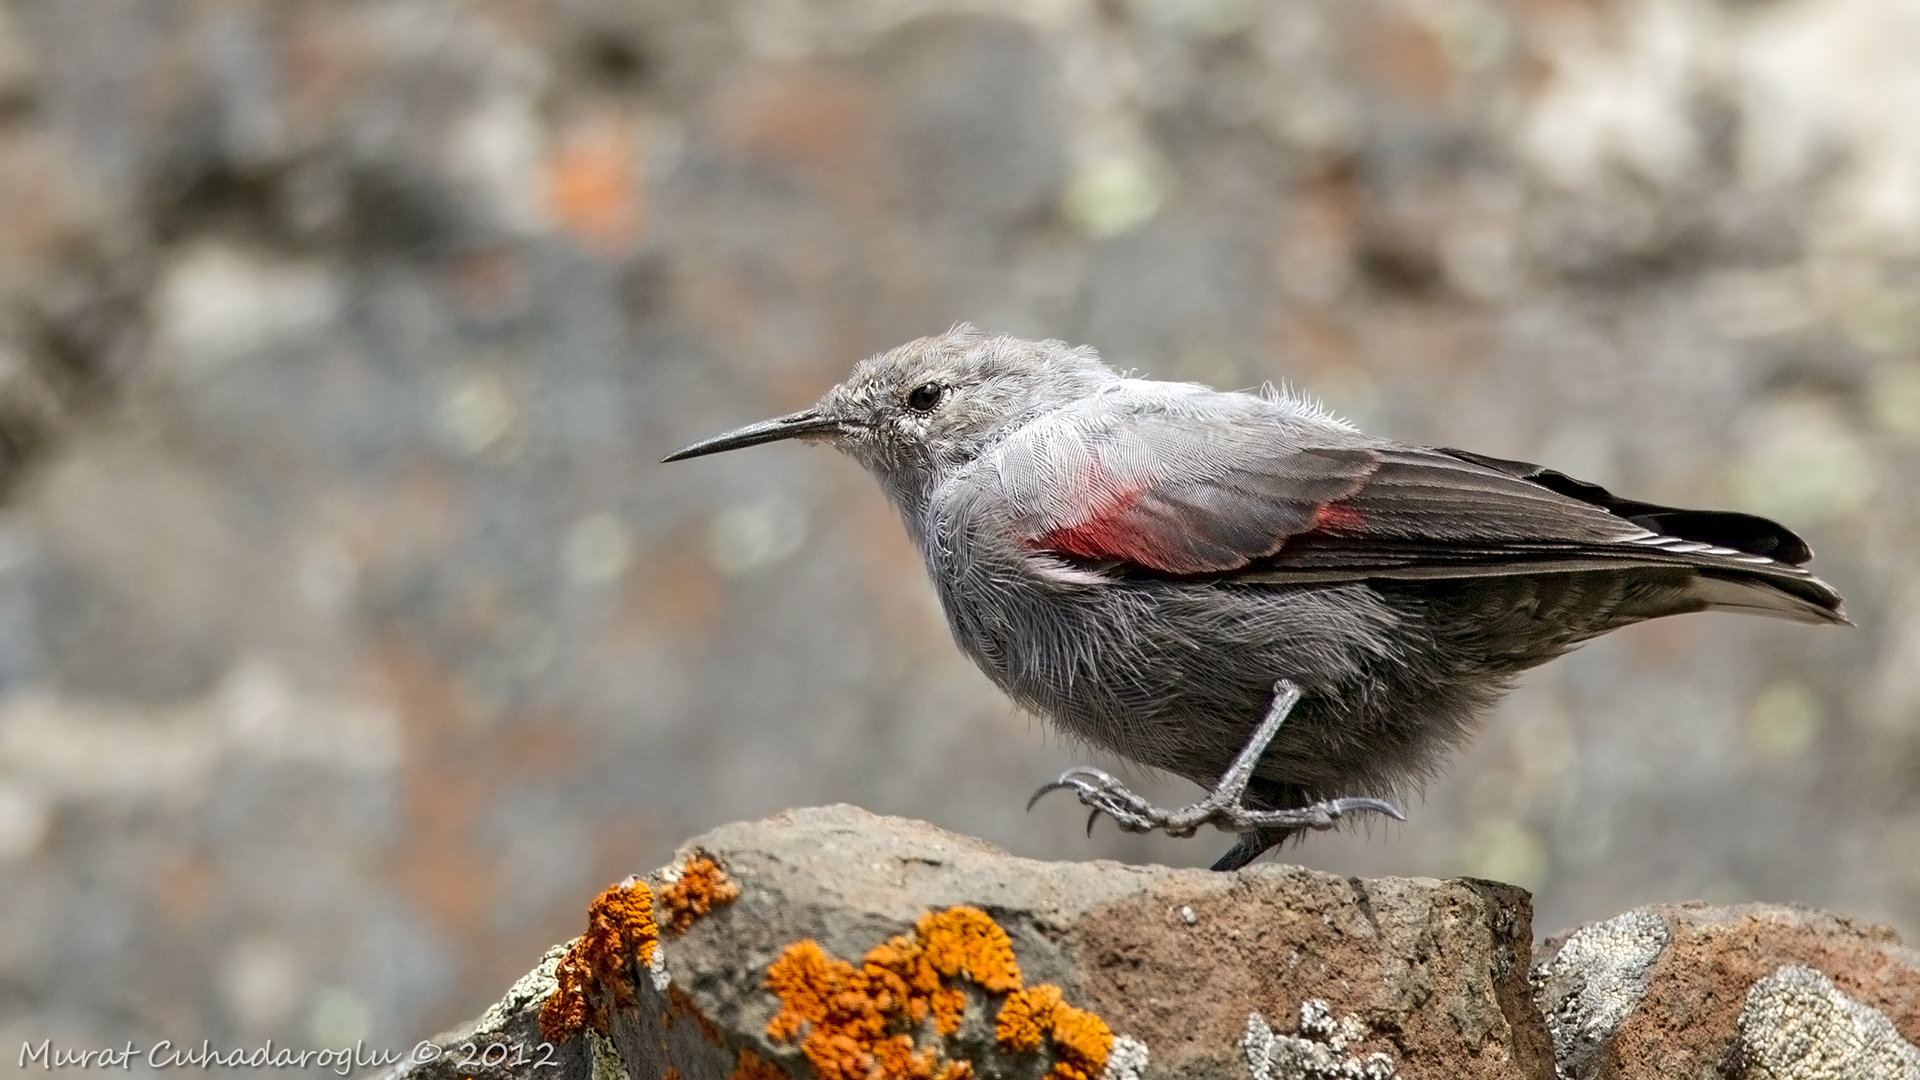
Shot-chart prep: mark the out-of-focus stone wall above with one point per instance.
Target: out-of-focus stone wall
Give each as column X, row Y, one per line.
column 350, row 634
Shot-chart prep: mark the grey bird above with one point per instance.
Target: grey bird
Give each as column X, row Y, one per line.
column 1246, row 591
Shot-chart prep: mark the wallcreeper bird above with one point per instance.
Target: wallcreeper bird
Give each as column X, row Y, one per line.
column 1243, row 589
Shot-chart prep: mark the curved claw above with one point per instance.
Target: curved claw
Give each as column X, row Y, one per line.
column 1318, row 816
column 1378, row 806
column 1063, row 784
column 1044, row 789
column 1088, row 774
column 1082, row 778
column 1091, row 818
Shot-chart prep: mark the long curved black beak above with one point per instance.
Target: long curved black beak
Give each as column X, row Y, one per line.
column 800, row 425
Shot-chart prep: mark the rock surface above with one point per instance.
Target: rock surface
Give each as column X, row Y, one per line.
column 1748, row 992
column 1274, row 972
column 834, row 943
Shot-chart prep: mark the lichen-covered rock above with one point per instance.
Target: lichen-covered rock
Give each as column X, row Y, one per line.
column 1797, row 1025
column 1595, row 979
column 831, row 943
column 1318, row 1052
column 836, row 945
column 1749, row 992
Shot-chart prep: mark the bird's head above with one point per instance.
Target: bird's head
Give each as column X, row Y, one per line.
column 914, row 413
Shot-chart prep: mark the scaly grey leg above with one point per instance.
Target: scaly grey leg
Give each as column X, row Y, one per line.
column 1104, row 794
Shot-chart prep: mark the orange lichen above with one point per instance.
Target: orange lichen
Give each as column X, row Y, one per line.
column 700, row 888
column 1026, row 1018
column 1080, row 1039
column 860, row 1023
column 805, row 979
column 672, row 1073
column 963, row 941
column 564, row 1014
column 595, row 974
column 750, row 1067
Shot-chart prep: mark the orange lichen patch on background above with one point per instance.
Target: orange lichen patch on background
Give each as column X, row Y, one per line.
column 593, row 190
column 671, row 1074
column 593, row 975
column 750, row 1067
column 680, row 1004
column 860, row 1023
column 700, row 888
column 1081, row 1039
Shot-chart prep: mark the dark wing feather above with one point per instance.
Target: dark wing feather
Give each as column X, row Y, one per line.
column 1421, row 517
column 1721, row 528
column 1155, row 498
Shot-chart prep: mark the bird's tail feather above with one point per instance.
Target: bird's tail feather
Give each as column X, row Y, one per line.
column 1811, row 602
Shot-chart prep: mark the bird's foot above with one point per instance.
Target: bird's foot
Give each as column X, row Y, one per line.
column 1102, row 793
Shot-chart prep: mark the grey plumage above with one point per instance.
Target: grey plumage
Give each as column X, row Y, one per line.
column 1142, row 561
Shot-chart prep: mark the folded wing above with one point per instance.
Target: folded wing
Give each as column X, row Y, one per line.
column 1160, row 493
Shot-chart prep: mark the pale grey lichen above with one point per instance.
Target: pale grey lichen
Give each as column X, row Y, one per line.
column 657, row 968
column 1594, row 981
column 535, row 986
column 1318, row 1052
column 605, row 1058
column 1127, row 1060
column 1797, row 1025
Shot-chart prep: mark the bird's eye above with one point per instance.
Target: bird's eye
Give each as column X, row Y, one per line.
column 925, row 397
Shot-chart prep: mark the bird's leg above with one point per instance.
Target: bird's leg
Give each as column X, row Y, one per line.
column 1222, row 808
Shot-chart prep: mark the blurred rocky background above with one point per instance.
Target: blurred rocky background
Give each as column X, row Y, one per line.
column 351, row 636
